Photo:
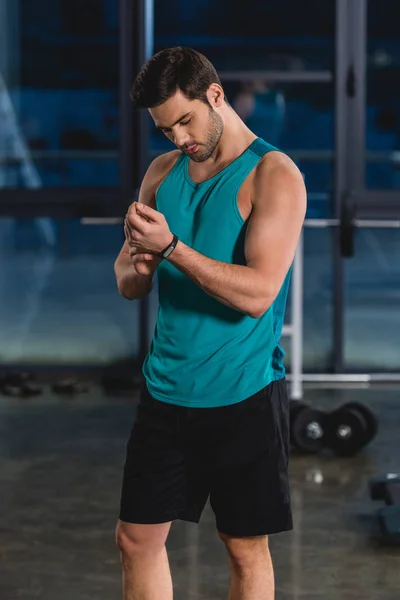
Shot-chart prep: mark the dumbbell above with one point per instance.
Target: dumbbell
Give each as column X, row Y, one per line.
column 306, row 428
column 349, row 429
column 19, row 385
column 387, row 489
column 345, row 431
column 69, row 387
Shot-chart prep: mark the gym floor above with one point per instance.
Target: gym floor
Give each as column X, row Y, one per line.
column 60, row 472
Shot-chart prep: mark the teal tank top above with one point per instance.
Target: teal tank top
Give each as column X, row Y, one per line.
column 203, row 353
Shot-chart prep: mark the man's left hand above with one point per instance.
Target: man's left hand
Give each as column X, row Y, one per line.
column 147, row 229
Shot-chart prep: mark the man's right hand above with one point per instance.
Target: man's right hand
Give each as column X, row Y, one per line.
column 144, row 263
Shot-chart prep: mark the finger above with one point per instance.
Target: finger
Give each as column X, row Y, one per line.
column 137, row 224
column 127, row 233
column 129, row 237
column 136, row 258
column 134, row 212
column 148, row 212
column 128, row 224
column 136, row 251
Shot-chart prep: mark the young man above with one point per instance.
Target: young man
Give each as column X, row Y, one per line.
column 220, row 219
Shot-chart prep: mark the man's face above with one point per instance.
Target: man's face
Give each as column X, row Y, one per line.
column 191, row 125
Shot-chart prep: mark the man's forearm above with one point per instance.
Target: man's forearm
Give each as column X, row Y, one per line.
column 239, row 287
column 131, row 285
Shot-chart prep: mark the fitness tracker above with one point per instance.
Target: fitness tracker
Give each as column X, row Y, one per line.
column 170, row 248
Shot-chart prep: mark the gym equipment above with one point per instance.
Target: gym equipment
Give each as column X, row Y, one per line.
column 349, row 429
column 369, row 416
column 387, row 489
column 69, row 387
column 306, row 428
column 344, row 432
column 21, row 385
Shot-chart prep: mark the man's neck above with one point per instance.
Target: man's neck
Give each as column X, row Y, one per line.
column 235, row 139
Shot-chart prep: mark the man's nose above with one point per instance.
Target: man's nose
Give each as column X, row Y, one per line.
column 181, row 138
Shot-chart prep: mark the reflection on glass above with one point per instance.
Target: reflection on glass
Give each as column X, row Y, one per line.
column 383, row 97
column 58, row 93
column 372, row 315
column 317, row 302
column 59, row 298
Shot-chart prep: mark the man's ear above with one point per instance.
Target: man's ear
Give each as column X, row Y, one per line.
column 215, row 95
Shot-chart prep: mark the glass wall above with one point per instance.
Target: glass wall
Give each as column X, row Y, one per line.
column 318, row 289
column 59, row 65
column 372, row 314
column 382, row 151
column 60, row 303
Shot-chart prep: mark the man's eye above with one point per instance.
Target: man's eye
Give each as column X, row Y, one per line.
column 186, row 122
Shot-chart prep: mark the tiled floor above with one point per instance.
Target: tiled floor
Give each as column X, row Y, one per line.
column 60, row 473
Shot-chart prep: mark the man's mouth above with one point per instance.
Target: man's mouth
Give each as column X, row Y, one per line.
column 191, row 149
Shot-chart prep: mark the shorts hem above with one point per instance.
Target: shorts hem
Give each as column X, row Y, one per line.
column 178, row 515
column 254, row 532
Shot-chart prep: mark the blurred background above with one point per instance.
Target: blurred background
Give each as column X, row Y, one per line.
column 319, row 85
column 320, row 80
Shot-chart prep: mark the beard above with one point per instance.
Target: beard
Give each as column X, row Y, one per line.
column 214, row 133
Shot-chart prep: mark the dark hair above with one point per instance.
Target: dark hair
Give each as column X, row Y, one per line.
column 172, row 69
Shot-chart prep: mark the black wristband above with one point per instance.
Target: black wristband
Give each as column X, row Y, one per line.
column 170, row 248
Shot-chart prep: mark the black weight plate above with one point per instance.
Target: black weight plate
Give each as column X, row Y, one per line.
column 295, row 406
column 370, row 418
column 306, row 429
column 346, row 432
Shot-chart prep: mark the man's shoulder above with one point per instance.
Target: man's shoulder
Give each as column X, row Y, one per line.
column 163, row 163
column 278, row 181
column 155, row 175
column 277, row 164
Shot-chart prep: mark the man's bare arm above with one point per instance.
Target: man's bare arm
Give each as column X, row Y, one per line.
column 273, row 232
column 133, row 285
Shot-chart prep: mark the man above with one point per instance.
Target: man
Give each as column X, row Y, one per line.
column 220, row 219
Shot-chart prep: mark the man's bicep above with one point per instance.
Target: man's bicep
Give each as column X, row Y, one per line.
column 275, row 224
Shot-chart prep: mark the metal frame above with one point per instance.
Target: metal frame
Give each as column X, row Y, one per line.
column 370, row 203
column 278, row 76
column 350, row 149
column 341, row 172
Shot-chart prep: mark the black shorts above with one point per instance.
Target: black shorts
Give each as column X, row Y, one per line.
column 237, row 456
